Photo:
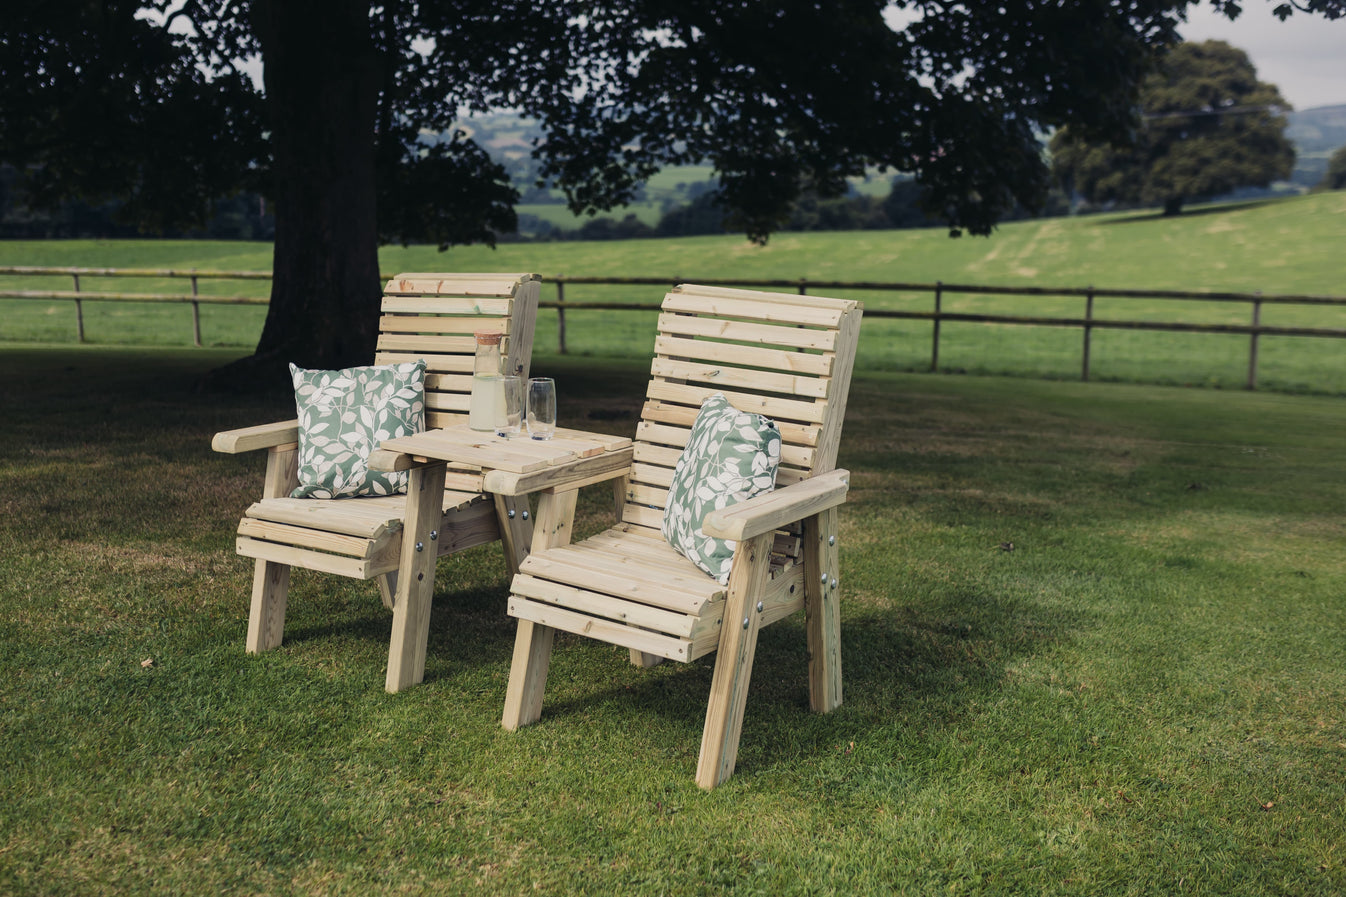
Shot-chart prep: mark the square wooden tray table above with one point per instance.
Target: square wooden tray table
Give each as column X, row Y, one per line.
column 507, row 468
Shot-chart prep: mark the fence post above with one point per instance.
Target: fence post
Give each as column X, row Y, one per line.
column 560, row 317
column 196, row 315
column 934, row 343
column 803, row 284
column 1252, row 344
column 1088, row 329
column 79, row 311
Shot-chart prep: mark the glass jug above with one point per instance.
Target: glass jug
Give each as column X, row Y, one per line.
column 487, row 405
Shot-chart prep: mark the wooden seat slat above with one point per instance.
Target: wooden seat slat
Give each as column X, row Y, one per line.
column 653, row 474
column 644, row 494
column 818, row 365
column 640, row 515
column 405, row 303
column 685, row 415
column 617, row 610
column 367, row 517
column 305, row 537
column 750, row 378
column 323, row 562
column 661, row 455
column 772, row 406
column 770, row 313
column 805, row 303
column 460, row 383
column 745, row 332
column 458, row 344
column 597, row 627
column 613, row 575
column 439, row 400
column 662, row 434
column 440, row 324
column 646, row 565
column 442, row 364
column 656, row 552
column 438, row 420
column 435, row 284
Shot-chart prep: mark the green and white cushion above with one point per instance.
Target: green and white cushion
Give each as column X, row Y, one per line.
column 344, row 415
column 731, row 456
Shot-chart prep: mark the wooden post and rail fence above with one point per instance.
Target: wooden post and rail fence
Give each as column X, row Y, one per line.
column 939, row 290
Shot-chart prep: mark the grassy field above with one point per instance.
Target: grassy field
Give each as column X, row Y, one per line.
column 1281, row 246
column 1092, row 636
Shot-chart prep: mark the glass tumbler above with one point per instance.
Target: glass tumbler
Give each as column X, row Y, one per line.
column 541, row 407
column 509, row 414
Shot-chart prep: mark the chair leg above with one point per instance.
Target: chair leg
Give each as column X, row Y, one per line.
column 270, row 580
column 266, row 617
column 733, row 662
column 527, row 674
column 641, row 659
column 822, row 611
column 415, row 578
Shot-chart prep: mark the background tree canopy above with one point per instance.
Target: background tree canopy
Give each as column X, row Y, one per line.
column 1209, row 127
column 148, row 101
column 1335, row 179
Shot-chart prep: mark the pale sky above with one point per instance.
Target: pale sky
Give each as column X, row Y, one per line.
column 1305, row 56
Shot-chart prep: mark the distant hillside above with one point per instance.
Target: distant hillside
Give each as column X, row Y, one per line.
column 1316, row 134
column 508, row 137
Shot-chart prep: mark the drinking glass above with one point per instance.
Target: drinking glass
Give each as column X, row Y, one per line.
column 509, row 420
column 541, row 407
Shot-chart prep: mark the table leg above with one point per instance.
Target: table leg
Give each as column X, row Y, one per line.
column 533, row 642
column 516, row 530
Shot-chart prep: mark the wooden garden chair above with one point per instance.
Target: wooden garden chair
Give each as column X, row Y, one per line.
column 430, row 316
column 786, row 357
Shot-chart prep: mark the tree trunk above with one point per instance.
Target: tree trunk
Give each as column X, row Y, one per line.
column 321, row 76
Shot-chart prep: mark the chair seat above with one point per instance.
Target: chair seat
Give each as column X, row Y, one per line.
column 626, row 586
column 623, row 586
column 354, row 537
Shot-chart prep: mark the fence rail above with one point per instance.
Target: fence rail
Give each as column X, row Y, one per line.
column 939, row 290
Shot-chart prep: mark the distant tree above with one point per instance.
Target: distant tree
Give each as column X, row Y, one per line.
column 628, row 228
column 904, row 205
column 1209, row 127
column 1335, row 179
column 703, row 215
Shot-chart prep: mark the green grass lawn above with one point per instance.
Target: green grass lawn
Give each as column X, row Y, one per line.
column 1279, row 246
column 1092, row 641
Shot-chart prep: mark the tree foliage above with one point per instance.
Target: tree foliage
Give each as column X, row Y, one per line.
column 105, row 98
column 1209, row 127
column 1335, row 179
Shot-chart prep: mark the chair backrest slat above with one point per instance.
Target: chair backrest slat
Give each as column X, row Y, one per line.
column 433, row 316
column 786, row 356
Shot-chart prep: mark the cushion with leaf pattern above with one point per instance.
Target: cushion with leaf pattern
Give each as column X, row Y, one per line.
column 731, row 456
column 344, row 415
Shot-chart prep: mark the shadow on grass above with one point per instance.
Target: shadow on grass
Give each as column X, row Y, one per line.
column 920, row 665
column 1197, row 212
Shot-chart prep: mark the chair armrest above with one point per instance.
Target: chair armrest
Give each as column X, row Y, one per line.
column 779, row 507
column 249, row 439
column 389, row 461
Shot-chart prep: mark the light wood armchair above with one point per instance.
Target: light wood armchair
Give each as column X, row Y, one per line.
column 430, row 316
column 787, row 357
